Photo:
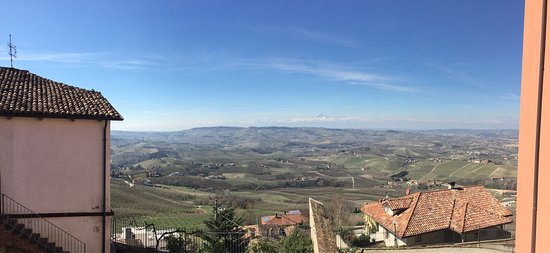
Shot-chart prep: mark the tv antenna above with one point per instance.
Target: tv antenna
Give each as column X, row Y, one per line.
column 13, row 51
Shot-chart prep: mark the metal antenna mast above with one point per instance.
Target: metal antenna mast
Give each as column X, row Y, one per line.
column 13, row 51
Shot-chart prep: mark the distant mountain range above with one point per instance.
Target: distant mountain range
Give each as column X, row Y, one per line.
column 283, row 136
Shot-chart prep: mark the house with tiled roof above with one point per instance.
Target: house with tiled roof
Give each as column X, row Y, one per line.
column 282, row 224
column 457, row 214
column 54, row 165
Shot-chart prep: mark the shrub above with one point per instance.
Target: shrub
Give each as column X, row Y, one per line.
column 360, row 241
column 297, row 242
column 262, row 245
column 178, row 244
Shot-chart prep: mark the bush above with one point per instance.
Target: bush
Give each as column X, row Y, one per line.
column 262, row 245
column 297, row 242
column 177, row 244
column 361, row 241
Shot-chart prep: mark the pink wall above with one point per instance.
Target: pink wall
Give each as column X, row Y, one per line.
column 55, row 165
column 532, row 231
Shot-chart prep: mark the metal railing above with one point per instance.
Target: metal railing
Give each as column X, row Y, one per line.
column 45, row 234
column 165, row 239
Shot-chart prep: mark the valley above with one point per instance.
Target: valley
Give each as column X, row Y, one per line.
column 174, row 177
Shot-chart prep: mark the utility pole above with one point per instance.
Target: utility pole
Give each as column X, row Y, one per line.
column 12, row 51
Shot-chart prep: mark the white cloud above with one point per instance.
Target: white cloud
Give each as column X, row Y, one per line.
column 325, row 38
column 317, row 118
column 460, row 76
column 336, row 73
column 387, row 121
column 389, row 87
column 99, row 59
column 59, row 57
column 512, row 97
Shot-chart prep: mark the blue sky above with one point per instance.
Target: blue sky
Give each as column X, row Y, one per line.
column 172, row 65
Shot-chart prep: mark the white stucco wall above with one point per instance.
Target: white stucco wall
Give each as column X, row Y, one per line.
column 491, row 233
column 55, row 166
column 390, row 240
column 437, row 237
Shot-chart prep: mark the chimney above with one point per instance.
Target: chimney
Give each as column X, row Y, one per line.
column 452, row 185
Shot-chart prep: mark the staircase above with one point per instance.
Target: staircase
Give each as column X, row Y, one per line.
column 25, row 231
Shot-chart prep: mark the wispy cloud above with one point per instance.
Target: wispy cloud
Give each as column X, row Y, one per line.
column 307, row 34
column 460, row 76
column 322, row 69
column 133, row 64
column 384, row 121
column 388, row 87
column 317, row 118
column 511, row 97
column 60, row 57
column 338, row 73
column 98, row 59
column 325, row 38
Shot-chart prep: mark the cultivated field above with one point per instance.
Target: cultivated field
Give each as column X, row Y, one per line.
column 267, row 170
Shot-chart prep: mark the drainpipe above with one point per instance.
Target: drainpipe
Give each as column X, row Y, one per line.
column 104, row 188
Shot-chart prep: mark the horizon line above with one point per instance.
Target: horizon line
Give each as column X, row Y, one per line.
column 318, row 127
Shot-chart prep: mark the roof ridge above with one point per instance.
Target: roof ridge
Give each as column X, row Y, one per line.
column 464, row 218
column 412, row 212
column 452, row 212
column 464, row 187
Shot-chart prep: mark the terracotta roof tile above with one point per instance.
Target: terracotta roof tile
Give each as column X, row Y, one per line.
column 461, row 210
column 24, row 94
column 399, row 203
column 288, row 220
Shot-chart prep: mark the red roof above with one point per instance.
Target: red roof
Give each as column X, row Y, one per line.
column 461, row 210
column 24, row 94
column 287, row 220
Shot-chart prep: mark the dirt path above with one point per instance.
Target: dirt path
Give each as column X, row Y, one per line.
column 433, row 169
column 450, row 175
column 166, row 199
column 494, row 171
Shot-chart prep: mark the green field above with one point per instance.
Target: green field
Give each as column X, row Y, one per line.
column 274, row 169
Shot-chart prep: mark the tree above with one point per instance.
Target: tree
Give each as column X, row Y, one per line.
column 340, row 210
column 223, row 232
column 179, row 244
column 297, row 242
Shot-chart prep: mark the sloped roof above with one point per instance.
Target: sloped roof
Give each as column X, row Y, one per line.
column 399, row 203
column 24, row 94
column 287, row 219
column 461, row 210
